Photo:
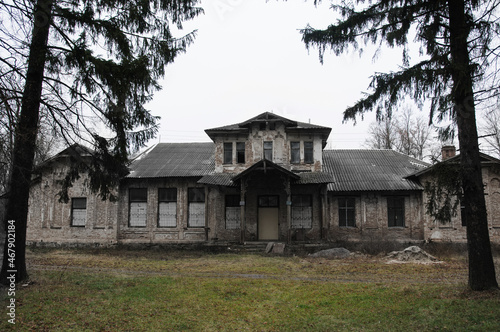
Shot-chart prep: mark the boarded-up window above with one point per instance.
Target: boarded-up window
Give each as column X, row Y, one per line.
column 308, row 153
column 138, row 201
column 268, row 150
column 196, row 198
column 240, row 152
column 301, row 211
column 228, row 153
column 396, row 211
column 233, row 212
column 347, row 215
column 78, row 212
column 167, row 207
column 295, row 152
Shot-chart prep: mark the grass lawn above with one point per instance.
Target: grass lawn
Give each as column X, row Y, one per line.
column 126, row 290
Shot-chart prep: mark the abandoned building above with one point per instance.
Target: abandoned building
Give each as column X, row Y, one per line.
column 265, row 179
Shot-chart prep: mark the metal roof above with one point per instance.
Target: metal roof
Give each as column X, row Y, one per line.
column 371, row 170
column 175, row 160
column 343, row 170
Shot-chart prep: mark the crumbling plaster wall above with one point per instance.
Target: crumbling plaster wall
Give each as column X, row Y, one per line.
column 453, row 231
column 254, row 149
column 152, row 233
column 50, row 220
column 372, row 219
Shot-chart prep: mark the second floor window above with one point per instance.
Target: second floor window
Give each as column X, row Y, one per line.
column 268, row 150
column 240, row 152
column 308, row 153
column 295, row 152
column 228, row 153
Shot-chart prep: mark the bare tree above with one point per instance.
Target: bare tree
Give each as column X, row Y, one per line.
column 491, row 130
column 382, row 134
column 405, row 133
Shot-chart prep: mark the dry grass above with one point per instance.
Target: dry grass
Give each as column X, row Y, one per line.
column 142, row 290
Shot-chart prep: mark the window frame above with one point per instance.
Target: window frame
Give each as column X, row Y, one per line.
column 169, row 199
column 272, row 201
column 308, row 152
column 73, row 208
column 240, row 153
column 233, row 203
column 136, row 199
column 295, row 152
column 346, row 205
column 302, row 203
column 267, row 150
column 196, row 199
column 396, row 207
column 227, row 158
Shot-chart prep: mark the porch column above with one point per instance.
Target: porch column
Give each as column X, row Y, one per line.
column 242, row 210
column 288, row 211
column 324, row 212
column 207, row 229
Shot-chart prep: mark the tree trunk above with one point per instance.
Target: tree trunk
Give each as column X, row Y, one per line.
column 14, row 263
column 481, row 267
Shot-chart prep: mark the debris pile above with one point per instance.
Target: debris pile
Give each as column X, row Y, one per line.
column 411, row 254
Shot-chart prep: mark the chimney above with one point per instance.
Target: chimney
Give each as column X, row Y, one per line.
column 447, row 152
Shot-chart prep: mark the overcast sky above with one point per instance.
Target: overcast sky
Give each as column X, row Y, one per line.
column 248, row 58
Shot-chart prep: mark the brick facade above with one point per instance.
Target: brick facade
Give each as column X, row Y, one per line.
column 233, row 190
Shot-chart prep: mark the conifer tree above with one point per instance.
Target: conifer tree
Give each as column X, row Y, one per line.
column 458, row 40
column 86, row 61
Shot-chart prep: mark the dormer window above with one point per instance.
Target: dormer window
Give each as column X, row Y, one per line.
column 268, row 150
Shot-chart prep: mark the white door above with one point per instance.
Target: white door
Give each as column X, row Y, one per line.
column 268, row 223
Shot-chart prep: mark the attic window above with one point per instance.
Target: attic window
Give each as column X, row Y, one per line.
column 268, row 150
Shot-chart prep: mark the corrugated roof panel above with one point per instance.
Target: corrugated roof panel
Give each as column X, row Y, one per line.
column 371, row 170
column 175, row 160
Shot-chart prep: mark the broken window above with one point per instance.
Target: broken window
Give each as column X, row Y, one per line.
column 196, row 199
column 308, row 153
column 78, row 212
column 301, row 211
column 233, row 212
column 240, row 152
column 167, row 207
column 347, row 215
column 396, row 211
column 138, row 203
column 268, row 150
column 295, row 152
column 228, row 153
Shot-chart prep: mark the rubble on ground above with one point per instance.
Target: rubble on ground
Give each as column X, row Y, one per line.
column 332, row 253
column 411, row 254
